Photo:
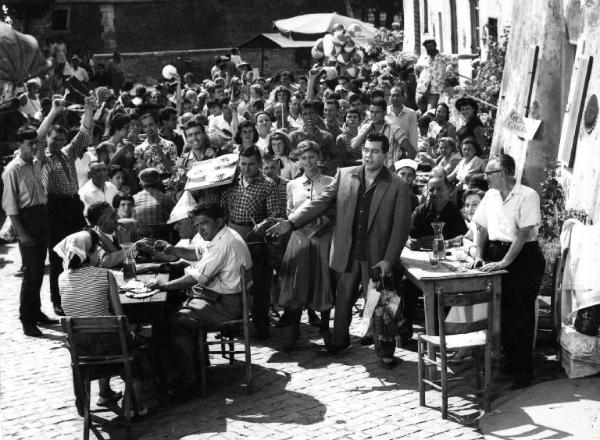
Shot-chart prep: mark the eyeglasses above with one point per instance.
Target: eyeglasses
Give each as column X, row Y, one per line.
column 489, row 173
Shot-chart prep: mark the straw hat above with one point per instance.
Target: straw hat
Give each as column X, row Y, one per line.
column 183, row 207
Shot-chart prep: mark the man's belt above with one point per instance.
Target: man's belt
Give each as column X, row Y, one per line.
column 498, row 243
column 63, row 196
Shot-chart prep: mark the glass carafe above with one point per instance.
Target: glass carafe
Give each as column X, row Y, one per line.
column 129, row 271
column 439, row 247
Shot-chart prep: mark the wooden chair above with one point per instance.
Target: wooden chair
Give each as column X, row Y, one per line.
column 227, row 336
column 98, row 347
column 452, row 336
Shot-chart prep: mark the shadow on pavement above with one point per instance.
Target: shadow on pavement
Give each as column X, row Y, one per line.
column 226, row 399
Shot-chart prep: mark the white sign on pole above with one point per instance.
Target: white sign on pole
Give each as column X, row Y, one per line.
column 520, row 125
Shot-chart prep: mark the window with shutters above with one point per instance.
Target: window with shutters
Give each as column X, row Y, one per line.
column 574, row 110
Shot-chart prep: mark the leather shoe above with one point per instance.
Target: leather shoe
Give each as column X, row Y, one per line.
column 389, row 365
column 366, row 340
column 30, row 329
column 331, row 350
column 313, row 319
column 43, row 319
column 58, row 311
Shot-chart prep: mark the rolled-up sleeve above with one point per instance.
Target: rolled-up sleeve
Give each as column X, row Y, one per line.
column 210, row 265
column 10, row 195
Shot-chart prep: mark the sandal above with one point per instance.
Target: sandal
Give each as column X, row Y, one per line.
column 109, row 400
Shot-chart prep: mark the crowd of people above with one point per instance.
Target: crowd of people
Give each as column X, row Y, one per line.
column 335, row 177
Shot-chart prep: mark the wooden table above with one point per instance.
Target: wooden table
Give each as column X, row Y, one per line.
column 143, row 310
column 446, row 277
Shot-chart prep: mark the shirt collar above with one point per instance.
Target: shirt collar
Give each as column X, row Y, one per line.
column 247, row 182
column 383, row 175
column 111, row 237
column 21, row 163
column 218, row 237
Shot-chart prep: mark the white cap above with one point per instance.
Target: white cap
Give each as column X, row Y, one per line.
column 181, row 210
column 405, row 163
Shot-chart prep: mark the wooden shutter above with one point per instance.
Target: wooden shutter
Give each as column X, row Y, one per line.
column 574, row 110
column 529, row 80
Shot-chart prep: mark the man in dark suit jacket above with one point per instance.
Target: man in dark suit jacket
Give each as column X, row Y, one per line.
column 373, row 217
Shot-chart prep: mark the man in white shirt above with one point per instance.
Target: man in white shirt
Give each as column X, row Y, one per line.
column 213, row 283
column 30, row 102
column 401, row 116
column 507, row 222
column 97, row 189
column 77, row 71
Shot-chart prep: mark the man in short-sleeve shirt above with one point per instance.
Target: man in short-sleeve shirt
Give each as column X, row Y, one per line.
column 213, row 282
column 507, row 222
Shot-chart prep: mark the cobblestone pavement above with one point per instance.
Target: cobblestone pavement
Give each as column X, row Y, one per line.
column 296, row 396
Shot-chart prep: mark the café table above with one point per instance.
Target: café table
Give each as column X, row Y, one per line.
column 450, row 275
column 143, row 310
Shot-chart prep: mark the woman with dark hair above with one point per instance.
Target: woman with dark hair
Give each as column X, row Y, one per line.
column 305, row 275
column 441, row 126
column 280, row 145
column 471, row 163
column 116, row 176
column 264, row 123
column 246, row 136
column 472, row 125
column 119, row 128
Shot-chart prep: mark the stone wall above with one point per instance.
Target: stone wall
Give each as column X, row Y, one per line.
column 142, row 65
column 159, row 25
column 538, row 24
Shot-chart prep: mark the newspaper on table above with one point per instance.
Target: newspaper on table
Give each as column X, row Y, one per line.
column 213, row 172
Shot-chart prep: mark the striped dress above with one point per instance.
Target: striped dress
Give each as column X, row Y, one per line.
column 85, row 291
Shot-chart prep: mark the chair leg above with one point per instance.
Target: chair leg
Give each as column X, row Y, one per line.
column 487, row 379
column 421, row 373
column 477, row 355
column 231, row 349
column 444, row 377
column 127, row 405
column 87, row 419
column 202, row 355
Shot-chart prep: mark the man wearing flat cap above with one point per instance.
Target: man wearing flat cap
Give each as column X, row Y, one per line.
column 429, row 70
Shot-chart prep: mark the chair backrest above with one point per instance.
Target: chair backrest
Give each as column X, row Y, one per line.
column 100, row 339
column 463, row 299
column 246, row 282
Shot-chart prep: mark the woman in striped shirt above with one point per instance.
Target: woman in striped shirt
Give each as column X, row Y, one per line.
column 88, row 290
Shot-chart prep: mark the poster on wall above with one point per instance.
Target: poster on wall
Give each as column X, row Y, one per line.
column 521, row 126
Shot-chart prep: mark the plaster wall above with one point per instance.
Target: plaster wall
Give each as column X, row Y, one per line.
column 539, row 23
column 582, row 181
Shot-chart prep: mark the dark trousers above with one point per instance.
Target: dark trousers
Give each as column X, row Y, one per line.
column 65, row 214
column 196, row 313
column 347, row 288
column 519, row 292
column 35, row 222
column 410, row 293
column 262, row 278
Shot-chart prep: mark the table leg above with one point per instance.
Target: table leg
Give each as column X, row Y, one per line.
column 429, row 302
column 496, row 324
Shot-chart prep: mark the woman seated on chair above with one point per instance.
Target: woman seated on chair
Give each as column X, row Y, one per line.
column 88, row 290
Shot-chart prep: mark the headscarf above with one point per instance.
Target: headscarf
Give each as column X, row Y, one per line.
column 77, row 244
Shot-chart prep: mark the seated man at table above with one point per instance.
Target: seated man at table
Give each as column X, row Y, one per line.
column 105, row 221
column 213, row 283
column 127, row 231
column 437, row 208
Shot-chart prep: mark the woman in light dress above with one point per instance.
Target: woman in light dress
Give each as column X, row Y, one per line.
column 306, row 278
